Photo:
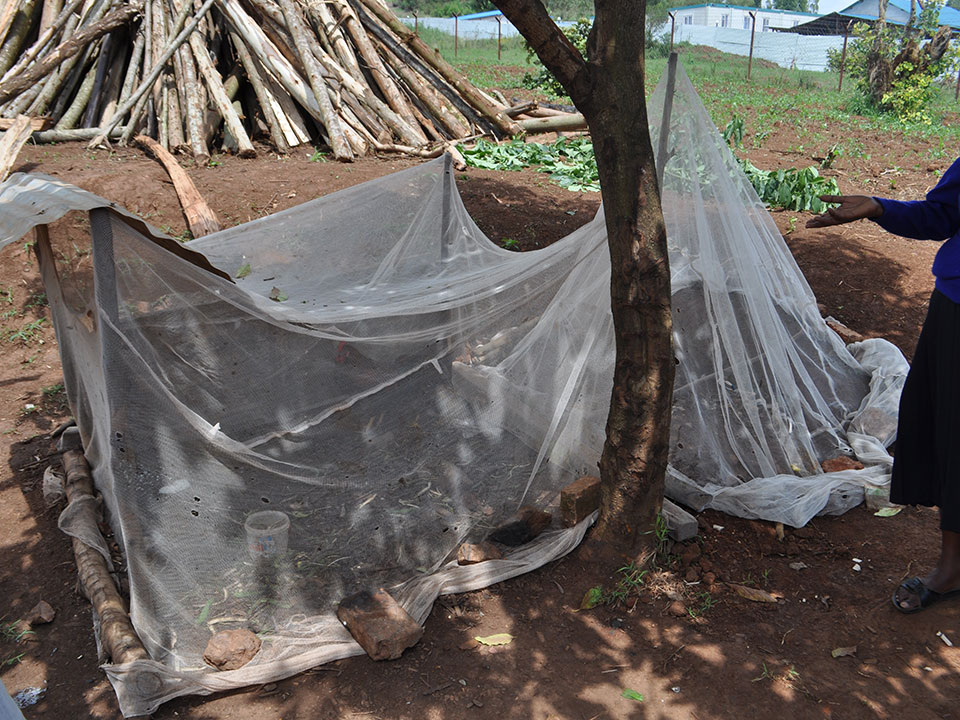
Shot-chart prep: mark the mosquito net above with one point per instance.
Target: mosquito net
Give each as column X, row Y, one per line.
column 394, row 384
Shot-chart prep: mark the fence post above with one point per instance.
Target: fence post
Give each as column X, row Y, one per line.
column 673, row 23
column 416, row 24
column 843, row 54
column 456, row 34
column 499, row 34
column 753, row 31
column 956, row 93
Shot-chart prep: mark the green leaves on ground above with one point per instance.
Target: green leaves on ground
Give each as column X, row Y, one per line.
column 570, row 162
column 632, row 695
column 790, row 189
column 572, row 165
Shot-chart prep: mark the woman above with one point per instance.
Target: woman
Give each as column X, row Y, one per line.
column 926, row 467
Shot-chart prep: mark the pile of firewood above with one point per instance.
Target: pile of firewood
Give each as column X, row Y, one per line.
column 346, row 74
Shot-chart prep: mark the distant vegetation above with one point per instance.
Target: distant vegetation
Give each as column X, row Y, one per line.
column 567, row 9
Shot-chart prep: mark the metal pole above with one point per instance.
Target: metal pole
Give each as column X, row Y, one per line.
column 753, row 31
column 673, row 24
column 499, row 26
column 843, row 54
column 416, row 24
column 665, row 121
column 456, row 33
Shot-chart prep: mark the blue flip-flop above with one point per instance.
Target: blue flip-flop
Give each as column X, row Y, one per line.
column 926, row 597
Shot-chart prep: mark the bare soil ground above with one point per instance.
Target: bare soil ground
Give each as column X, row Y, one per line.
column 687, row 642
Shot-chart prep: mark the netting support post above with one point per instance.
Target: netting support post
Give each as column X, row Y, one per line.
column 104, row 264
column 665, row 121
column 673, row 25
column 445, row 232
column 843, row 54
column 753, row 32
column 456, row 34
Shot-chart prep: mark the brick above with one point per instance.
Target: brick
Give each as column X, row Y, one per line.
column 376, row 621
column 231, row 649
column 841, row 463
column 579, row 499
column 522, row 527
column 681, row 525
column 471, row 554
column 846, row 334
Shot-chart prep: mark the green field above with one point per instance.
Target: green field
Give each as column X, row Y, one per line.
column 808, row 101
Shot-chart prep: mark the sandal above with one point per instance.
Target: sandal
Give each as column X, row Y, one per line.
column 925, row 596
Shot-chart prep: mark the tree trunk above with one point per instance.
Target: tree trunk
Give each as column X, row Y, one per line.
column 608, row 89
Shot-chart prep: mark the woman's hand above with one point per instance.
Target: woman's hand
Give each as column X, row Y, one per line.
column 852, row 207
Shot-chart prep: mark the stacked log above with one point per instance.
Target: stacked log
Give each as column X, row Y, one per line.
column 198, row 74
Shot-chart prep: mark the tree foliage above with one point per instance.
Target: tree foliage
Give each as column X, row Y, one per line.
column 794, row 5
column 896, row 68
column 567, row 9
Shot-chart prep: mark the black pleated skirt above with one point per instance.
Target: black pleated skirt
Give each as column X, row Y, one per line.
column 926, row 466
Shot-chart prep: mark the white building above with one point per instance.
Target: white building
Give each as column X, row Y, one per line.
column 738, row 17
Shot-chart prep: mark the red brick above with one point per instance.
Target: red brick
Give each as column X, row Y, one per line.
column 470, row 554
column 376, row 621
column 841, row 463
column 579, row 499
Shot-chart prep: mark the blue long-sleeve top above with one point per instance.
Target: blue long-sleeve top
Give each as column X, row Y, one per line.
column 935, row 218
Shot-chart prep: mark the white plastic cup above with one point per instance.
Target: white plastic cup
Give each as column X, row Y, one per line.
column 267, row 532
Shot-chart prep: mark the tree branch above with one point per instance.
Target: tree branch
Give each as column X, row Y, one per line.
column 553, row 48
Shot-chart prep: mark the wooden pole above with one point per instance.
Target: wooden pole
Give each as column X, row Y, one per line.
column 753, row 32
column 218, row 96
column 456, row 33
column 200, row 218
column 492, row 112
column 499, row 34
column 67, row 49
column 843, row 55
column 662, row 158
column 338, row 141
column 120, row 640
column 673, row 25
column 568, row 121
column 12, row 142
column 147, row 82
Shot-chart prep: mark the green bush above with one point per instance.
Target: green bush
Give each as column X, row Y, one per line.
column 541, row 78
column 893, row 69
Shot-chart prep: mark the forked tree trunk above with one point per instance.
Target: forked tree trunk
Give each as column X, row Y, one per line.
column 609, row 91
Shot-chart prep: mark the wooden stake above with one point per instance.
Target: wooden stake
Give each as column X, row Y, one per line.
column 200, row 218
column 12, row 142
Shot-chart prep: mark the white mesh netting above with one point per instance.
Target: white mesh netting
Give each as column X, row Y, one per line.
column 410, row 385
